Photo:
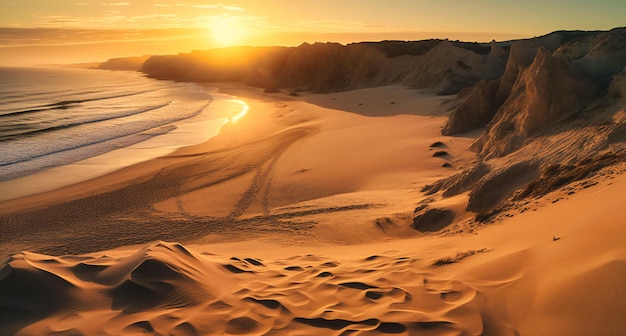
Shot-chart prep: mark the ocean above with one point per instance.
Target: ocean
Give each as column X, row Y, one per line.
column 51, row 118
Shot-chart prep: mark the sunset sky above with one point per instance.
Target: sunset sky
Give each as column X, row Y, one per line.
column 44, row 31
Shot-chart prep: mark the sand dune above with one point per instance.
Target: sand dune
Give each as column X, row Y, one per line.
column 165, row 288
column 509, row 279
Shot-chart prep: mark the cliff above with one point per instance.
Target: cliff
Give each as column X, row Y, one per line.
column 552, row 121
column 124, row 63
column 443, row 66
column 484, row 100
column 546, row 79
column 543, row 93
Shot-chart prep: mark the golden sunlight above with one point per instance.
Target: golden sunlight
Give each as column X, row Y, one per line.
column 227, row 31
column 244, row 110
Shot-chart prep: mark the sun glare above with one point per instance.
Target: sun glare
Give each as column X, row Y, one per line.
column 244, row 110
column 227, row 31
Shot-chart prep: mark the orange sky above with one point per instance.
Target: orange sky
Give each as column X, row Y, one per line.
column 61, row 31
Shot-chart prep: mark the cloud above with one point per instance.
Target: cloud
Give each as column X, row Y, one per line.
column 220, row 6
column 115, row 3
column 234, row 8
column 115, row 19
column 114, row 15
column 336, row 26
column 46, row 37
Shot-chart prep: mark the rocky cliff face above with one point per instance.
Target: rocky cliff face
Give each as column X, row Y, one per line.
column 485, row 99
column 554, row 117
column 450, row 67
column 442, row 66
column 599, row 55
column 329, row 67
column 476, row 109
column 125, row 63
column 545, row 92
column 545, row 80
column 237, row 64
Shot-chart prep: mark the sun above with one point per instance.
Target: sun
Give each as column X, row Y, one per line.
column 227, row 31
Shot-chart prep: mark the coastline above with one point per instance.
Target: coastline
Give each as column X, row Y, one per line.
column 296, row 218
column 164, row 140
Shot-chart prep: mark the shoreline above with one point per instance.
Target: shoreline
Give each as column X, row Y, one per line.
column 211, row 120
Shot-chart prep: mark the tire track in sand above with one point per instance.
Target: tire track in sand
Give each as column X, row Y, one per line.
column 262, row 178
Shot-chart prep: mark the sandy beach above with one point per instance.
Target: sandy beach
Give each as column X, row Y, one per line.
column 296, row 220
column 286, row 155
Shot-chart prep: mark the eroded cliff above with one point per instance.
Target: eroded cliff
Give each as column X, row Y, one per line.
column 443, row 66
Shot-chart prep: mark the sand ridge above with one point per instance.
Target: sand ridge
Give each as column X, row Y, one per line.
column 167, row 288
column 484, row 284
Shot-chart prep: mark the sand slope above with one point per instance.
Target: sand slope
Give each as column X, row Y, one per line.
column 510, row 279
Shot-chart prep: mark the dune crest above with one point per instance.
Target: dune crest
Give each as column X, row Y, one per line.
column 483, row 284
column 167, row 288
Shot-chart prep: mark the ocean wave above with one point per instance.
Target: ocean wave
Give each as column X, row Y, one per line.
column 12, row 132
column 54, row 117
column 66, row 104
column 69, row 156
column 29, row 148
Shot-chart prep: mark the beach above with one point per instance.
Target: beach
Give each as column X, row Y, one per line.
column 296, row 219
column 284, row 152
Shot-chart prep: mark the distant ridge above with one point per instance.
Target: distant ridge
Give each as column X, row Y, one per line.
column 439, row 65
column 124, row 63
column 87, row 65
